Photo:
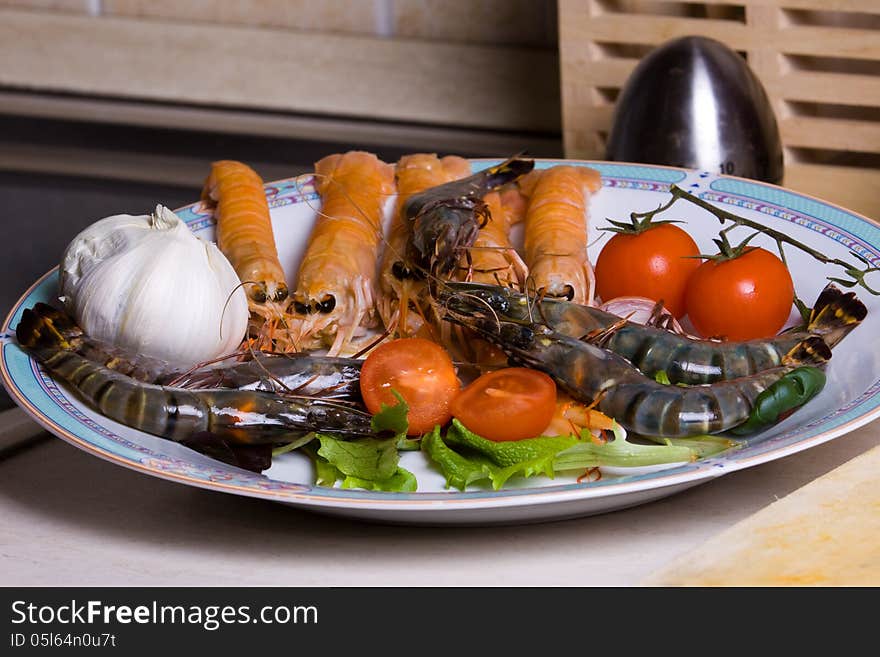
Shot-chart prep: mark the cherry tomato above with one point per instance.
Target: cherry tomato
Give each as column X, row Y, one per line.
column 650, row 264
column 744, row 298
column 420, row 371
column 507, row 404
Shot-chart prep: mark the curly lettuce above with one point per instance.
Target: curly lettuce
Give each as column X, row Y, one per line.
column 370, row 463
column 465, row 458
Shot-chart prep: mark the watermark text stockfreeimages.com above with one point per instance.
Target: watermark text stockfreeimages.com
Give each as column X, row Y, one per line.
column 210, row 617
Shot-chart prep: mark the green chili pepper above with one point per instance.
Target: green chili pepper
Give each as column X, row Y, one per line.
column 790, row 392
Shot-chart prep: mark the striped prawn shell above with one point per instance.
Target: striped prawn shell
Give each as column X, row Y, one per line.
column 651, row 350
column 592, row 374
column 241, row 416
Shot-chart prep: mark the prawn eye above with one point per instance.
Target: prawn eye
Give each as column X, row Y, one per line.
column 281, row 293
column 301, row 308
column 520, row 337
column 499, row 302
column 327, row 305
column 400, row 271
column 258, row 293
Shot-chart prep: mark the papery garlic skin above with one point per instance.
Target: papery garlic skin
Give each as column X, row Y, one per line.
column 149, row 285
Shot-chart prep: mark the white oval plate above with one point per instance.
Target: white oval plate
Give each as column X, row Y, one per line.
column 850, row 399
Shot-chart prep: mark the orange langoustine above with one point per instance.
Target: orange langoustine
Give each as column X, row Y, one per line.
column 555, row 242
column 492, row 258
column 244, row 234
column 400, row 290
column 334, row 297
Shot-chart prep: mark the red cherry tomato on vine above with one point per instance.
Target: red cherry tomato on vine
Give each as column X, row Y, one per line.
column 508, row 404
column 652, row 263
column 747, row 297
column 422, row 373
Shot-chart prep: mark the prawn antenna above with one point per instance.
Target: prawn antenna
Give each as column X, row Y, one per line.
column 183, row 376
column 375, row 343
column 533, row 297
column 228, row 299
column 468, row 295
column 331, row 179
column 274, row 378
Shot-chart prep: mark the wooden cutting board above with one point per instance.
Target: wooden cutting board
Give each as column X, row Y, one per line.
column 824, row 534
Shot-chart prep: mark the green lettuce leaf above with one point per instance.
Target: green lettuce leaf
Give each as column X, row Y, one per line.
column 465, row 458
column 510, row 452
column 402, row 481
column 703, row 445
column 619, row 452
column 326, row 474
column 392, row 418
column 409, row 444
column 365, row 458
column 369, row 463
column 479, row 460
column 459, row 470
column 662, row 377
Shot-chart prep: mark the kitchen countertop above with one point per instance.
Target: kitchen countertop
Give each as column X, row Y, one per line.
column 72, row 519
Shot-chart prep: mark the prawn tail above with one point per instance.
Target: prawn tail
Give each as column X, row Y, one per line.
column 509, row 170
column 835, row 314
column 811, row 351
column 44, row 329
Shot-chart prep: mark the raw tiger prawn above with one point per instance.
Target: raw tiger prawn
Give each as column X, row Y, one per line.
column 493, row 258
column 243, row 417
column 683, row 359
column 590, row 373
column 400, row 302
column 446, row 219
column 298, row 373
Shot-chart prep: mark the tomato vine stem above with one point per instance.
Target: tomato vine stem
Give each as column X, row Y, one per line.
column 855, row 275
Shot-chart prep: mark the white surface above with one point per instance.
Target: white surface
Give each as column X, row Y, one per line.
column 72, row 519
column 16, row 428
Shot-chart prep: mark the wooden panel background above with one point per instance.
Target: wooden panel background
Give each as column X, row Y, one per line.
column 491, row 86
column 476, row 77
column 819, row 61
column 478, row 73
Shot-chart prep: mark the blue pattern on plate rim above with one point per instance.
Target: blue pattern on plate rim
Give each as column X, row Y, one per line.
column 300, row 189
column 850, row 240
column 831, row 222
column 849, row 230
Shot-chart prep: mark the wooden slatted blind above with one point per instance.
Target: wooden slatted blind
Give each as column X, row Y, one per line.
column 819, row 61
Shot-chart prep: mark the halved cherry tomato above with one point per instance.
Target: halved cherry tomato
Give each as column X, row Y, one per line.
column 743, row 298
column 508, row 404
column 420, row 371
column 654, row 263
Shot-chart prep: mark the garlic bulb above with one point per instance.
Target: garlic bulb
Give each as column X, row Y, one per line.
column 148, row 285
